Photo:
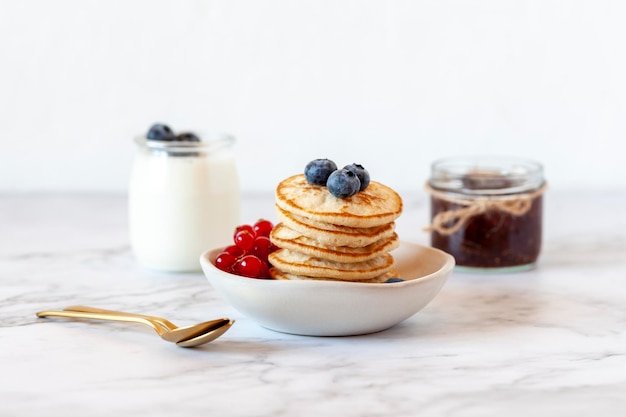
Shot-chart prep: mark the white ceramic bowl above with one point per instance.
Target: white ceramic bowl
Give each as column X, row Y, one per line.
column 328, row 308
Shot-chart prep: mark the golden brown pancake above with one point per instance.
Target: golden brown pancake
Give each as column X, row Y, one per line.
column 287, row 238
column 298, row 263
column 332, row 235
column 275, row 273
column 377, row 205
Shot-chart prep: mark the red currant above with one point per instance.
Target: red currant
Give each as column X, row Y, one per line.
column 273, row 248
column 248, row 256
column 246, row 227
column 263, row 227
column 248, row 266
column 262, row 247
column 244, row 240
column 236, row 251
column 264, row 272
column 225, row 261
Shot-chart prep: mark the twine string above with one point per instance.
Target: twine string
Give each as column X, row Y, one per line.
column 449, row 221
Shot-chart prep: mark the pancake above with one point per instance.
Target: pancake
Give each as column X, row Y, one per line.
column 332, row 235
column 377, row 205
column 298, row 263
column 277, row 274
column 286, row 238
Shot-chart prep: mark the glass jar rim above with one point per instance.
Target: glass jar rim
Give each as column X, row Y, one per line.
column 210, row 142
column 489, row 175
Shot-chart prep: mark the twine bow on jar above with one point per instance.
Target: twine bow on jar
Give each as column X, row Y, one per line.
column 450, row 221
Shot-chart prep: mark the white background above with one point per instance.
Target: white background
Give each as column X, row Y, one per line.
column 392, row 85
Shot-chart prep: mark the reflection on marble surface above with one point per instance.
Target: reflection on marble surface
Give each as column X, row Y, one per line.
column 551, row 341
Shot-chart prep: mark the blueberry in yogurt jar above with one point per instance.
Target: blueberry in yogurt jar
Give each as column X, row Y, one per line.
column 166, row 141
column 160, row 131
column 187, row 137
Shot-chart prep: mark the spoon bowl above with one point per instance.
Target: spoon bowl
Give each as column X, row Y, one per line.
column 205, row 337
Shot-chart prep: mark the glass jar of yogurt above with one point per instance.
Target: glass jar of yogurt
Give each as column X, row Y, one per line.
column 487, row 212
column 184, row 198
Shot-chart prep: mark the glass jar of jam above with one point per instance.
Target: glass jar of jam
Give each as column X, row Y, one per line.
column 487, row 212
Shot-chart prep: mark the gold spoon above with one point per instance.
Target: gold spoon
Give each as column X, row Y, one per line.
column 187, row 336
column 183, row 336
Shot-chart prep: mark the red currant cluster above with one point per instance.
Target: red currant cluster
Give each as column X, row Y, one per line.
column 248, row 256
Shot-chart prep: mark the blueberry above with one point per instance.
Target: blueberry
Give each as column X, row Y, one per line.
column 159, row 131
column 343, row 183
column 187, row 137
column 392, row 280
column 360, row 172
column 318, row 171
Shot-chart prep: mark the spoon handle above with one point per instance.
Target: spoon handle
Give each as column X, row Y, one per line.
column 163, row 322
column 97, row 316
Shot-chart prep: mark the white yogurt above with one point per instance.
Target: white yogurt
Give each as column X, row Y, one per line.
column 183, row 200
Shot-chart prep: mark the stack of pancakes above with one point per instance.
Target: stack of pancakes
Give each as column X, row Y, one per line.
column 321, row 236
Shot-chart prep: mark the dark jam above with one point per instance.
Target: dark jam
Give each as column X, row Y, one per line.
column 487, row 211
column 493, row 239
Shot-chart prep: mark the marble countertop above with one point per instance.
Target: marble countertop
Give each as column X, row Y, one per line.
column 547, row 342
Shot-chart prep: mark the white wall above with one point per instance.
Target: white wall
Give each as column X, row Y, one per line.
column 390, row 84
